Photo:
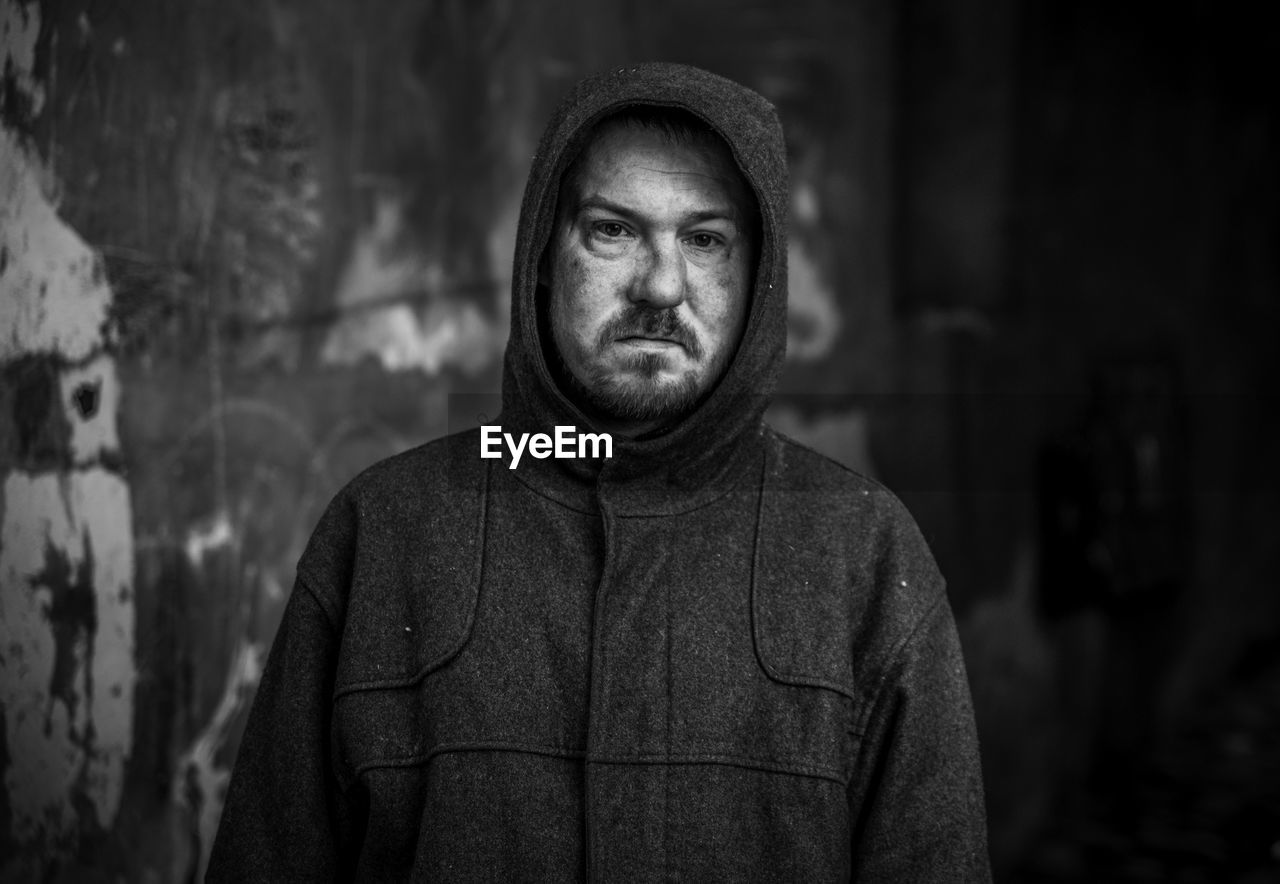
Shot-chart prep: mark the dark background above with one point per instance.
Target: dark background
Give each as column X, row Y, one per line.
column 1034, row 274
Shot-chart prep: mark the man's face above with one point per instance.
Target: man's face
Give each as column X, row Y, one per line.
column 650, row 274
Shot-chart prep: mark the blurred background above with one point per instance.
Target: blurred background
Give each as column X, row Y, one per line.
column 248, row 247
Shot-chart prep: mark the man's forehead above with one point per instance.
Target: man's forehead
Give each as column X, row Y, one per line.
column 619, row 151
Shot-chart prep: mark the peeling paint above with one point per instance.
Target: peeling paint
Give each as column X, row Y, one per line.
column 206, row 537
column 39, row 431
column 446, row 332
column 91, row 400
column 53, row 292
column 200, row 782
column 67, row 670
column 66, row 648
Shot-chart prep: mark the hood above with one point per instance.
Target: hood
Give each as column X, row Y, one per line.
column 712, row 438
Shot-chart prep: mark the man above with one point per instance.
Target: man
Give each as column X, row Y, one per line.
column 712, row 655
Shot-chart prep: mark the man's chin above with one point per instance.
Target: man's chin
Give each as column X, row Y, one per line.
column 640, row 397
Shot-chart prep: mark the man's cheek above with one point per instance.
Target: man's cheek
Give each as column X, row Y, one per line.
column 726, row 279
column 576, row 278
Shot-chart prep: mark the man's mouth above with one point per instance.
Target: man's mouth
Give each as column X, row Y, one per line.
column 650, row 331
column 646, row 341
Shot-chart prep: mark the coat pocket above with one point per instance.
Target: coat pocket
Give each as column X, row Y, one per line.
column 803, row 634
column 379, row 728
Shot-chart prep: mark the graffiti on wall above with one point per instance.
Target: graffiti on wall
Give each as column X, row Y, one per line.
column 67, row 672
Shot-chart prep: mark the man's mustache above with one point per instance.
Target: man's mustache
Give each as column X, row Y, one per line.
column 643, row 322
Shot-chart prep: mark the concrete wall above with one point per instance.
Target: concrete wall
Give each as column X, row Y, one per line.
column 67, row 615
column 249, row 248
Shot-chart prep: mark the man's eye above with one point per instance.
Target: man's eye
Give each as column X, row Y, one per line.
column 610, row 229
column 704, row 241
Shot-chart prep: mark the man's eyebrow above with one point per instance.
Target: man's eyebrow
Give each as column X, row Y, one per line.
column 597, row 202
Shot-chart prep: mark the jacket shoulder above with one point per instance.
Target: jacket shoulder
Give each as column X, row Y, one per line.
column 845, row 503
column 399, row 541
column 842, row 564
column 802, row 468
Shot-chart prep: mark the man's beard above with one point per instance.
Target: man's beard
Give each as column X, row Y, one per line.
column 634, row 392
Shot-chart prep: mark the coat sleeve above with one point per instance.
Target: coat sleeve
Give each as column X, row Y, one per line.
column 285, row 818
column 917, row 806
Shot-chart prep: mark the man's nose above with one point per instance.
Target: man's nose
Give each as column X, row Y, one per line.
column 661, row 281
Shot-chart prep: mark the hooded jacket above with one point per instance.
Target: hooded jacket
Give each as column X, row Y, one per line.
column 714, row 656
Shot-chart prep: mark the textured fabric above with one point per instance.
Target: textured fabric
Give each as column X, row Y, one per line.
column 717, row 656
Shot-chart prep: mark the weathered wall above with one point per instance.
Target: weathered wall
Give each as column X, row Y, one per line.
column 250, row 248
column 66, row 540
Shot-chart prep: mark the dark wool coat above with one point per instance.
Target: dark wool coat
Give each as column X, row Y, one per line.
column 717, row 656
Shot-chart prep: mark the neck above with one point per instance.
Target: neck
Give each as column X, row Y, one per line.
column 627, row 429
